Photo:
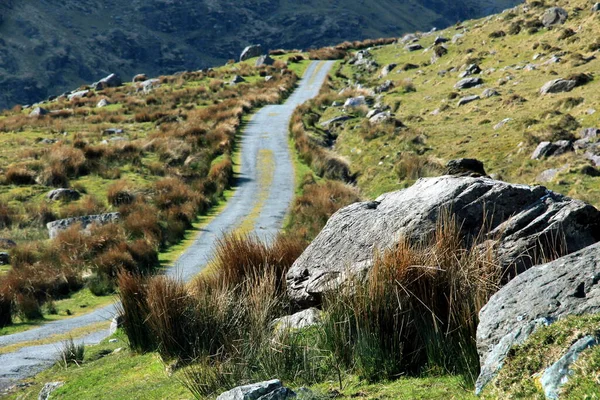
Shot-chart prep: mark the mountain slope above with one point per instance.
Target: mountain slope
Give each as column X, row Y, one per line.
column 46, row 49
column 502, row 127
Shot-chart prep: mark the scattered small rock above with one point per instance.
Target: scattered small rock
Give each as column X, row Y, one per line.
column 489, row 93
column 590, row 171
column 115, row 324
column 387, row 69
column 251, row 51
column 554, row 16
column 77, row 95
column 465, row 167
column 467, row 100
column 55, row 227
column 558, row 86
column 547, row 149
column 38, row 112
column 414, row 47
column 269, row 390
column 471, row 69
column 48, row 389
column 237, row 79
column 468, row 83
column 265, row 60
column 381, row 118
column 353, row 102
column 385, row 87
column 4, row 258
column 547, row 175
column 112, row 80
column 139, row 78
column 502, row 123
column 112, row 131
column 589, row 133
column 103, row 103
column 63, row 194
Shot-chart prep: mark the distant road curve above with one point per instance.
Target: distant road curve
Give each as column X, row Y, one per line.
column 263, row 194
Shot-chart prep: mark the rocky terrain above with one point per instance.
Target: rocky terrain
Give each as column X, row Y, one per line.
column 46, row 49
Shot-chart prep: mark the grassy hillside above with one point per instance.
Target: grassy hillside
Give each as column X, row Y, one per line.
column 48, row 48
column 515, row 54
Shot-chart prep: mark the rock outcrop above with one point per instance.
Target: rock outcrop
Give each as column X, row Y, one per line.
column 524, row 223
column 55, row 227
column 539, row 296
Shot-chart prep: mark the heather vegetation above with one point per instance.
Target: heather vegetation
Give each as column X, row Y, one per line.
column 159, row 157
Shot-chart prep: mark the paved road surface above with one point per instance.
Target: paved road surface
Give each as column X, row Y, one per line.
column 264, row 192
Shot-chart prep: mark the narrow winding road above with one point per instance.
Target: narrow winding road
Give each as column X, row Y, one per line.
column 263, row 194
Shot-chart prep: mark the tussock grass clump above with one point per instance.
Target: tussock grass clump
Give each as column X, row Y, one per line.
column 239, row 257
column 19, row 176
column 71, row 353
column 417, row 309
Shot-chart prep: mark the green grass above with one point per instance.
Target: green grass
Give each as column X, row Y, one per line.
column 126, row 375
column 123, row 375
column 441, row 387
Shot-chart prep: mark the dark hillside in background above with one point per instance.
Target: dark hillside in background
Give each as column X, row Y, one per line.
column 50, row 46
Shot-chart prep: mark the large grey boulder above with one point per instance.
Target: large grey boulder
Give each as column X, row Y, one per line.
column 558, row 86
column 554, row 16
column 55, row 227
column 468, row 83
column 251, row 51
column 269, row 390
column 537, row 297
column 524, row 223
